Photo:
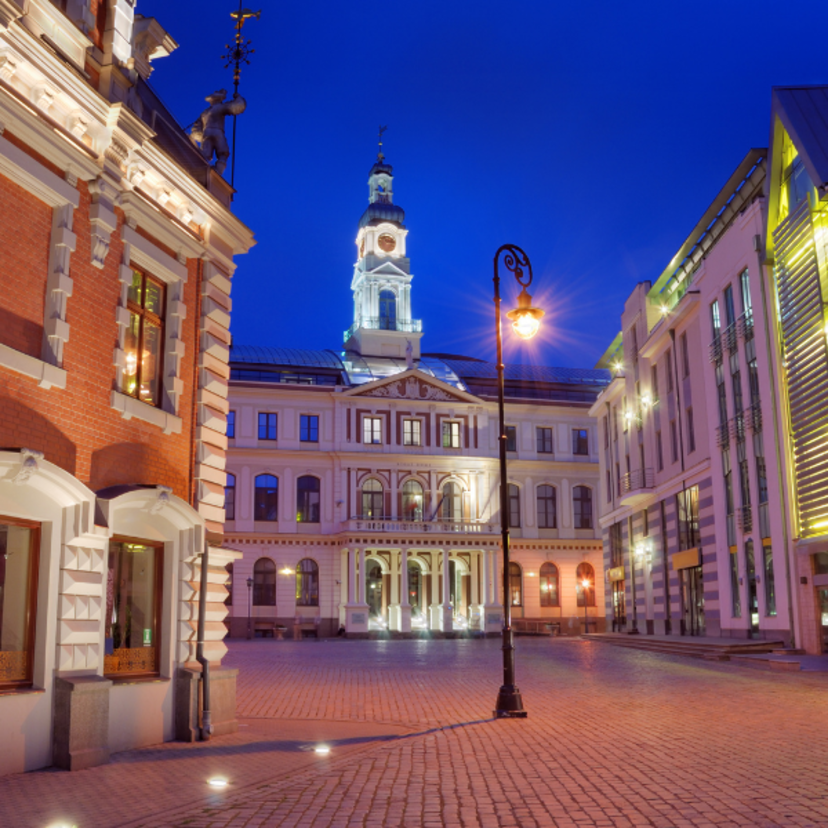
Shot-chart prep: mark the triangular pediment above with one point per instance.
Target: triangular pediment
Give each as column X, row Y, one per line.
column 387, row 269
column 413, row 385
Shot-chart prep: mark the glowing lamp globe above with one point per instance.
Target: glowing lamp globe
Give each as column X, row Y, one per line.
column 525, row 318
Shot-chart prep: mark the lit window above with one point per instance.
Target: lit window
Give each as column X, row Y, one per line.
column 144, row 340
column 515, row 585
column 411, row 433
column 580, row 441
column 412, row 500
column 268, row 426
column 452, row 502
column 372, row 430
column 309, row 428
column 133, row 593
column 266, row 505
column 549, row 585
column 544, row 438
column 586, row 594
column 451, row 435
column 372, row 499
column 19, row 544
column 307, row 499
column 307, row 583
column 513, row 494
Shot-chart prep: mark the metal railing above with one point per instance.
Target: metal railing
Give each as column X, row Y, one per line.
column 729, row 337
column 716, row 349
column 745, row 517
column 722, row 436
column 384, row 324
column 745, row 325
column 638, row 479
column 753, row 417
column 436, row 526
column 737, row 427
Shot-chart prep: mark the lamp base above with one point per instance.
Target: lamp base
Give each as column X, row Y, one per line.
column 509, row 704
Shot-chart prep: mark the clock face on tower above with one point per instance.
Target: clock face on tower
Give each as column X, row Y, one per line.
column 386, row 243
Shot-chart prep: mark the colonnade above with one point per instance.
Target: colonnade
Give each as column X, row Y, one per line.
column 444, row 600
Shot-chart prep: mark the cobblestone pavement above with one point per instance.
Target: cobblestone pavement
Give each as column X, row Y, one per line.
column 615, row 737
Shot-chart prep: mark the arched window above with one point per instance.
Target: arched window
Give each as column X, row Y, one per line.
column 307, row 499
column 585, row 572
column 514, row 506
column 515, row 585
column 228, row 584
column 266, row 505
column 388, row 310
column 372, row 505
column 582, row 507
column 549, row 586
column 412, row 500
column 452, row 507
column 307, row 583
column 230, row 497
column 264, row 583
column 547, row 507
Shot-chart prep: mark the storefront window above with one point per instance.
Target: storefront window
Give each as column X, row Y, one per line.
column 18, row 588
column 133, row 592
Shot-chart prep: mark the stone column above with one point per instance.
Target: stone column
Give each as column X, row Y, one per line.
column 362, row 583
column 394, row 603
column 343, row 584
column 434, row 606
column 352, row 576
column 491, row 615
column 405, row 603
column 446, row 614
column 474, row 595
column 356, row 611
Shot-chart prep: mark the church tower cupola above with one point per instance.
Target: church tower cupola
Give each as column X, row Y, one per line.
column 381, row 283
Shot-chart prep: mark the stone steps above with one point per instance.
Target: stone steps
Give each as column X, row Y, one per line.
column 709, row 649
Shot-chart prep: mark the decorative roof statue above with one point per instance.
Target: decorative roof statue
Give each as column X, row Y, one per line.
column 208, row 131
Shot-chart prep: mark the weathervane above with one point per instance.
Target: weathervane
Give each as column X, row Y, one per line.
column 380, row 156
column 237, row 54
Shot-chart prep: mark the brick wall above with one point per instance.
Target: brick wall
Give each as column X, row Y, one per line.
column 76, row 428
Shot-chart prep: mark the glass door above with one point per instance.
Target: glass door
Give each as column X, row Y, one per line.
column 692, row 595
column 822, row 599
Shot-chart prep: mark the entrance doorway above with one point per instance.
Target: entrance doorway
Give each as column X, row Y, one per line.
column 373, row 588
column 692, row 597
column 619, row 612
column 753, row 600
column 822, row 600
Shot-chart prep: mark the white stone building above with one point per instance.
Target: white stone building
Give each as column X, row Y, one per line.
column 363, row 483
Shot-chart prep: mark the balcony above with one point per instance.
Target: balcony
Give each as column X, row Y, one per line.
column 421, row 527
column 716, row 350
column 385, row 324
column 745, row 517
column 636, row 486
column 753, row 417
column 745, row 325
column 737, row 428
column 729, row 339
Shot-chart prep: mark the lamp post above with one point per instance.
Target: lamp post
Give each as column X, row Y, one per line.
column 585, row 585
column 525, row 323
column 249, row 608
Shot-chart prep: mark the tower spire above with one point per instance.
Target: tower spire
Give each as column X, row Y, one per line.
column 380, row 156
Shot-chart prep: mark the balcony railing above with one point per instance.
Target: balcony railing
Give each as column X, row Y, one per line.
column 638, row 479
column 716, row 350
column 438, row 526
column 729, row 337
column 745, row 517
column 745, row 325
column 753, row 417
column 737, row 427
column 722, row 436
column 385, row 324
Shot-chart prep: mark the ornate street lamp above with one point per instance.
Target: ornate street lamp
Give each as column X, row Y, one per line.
column 249, row 608
column 525, row 322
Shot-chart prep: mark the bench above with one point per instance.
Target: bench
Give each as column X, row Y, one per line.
column 305, row 628
column 536, row 626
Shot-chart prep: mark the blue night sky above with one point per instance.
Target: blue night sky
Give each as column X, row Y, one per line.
column 592, row 134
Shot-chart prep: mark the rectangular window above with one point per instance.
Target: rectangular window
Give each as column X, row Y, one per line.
column 673, row 442
column 411, row 433
column 230, row 497
column 609, row 487
column 616, row 545
column 654, row 383
column 736, row 379
column 133, row 592
column 770, row 583
column 618, row 478
column 144, row 339
column 580, row 441
column 451, row 434
column 615, row 423
column 744, row 285
column 372, row 430
column 735, row 595
column 715, row 318
column 511, row 438
column 753, row 382
column 691, row 432
column 231, row 424
column 669, row 363
column 685, row 356
column 730, row 311
column 687, row 510
column 544, row 438
column 722, row 393
column 309, row 428
column 659, row 452
column 267, row 426
column 19, row 546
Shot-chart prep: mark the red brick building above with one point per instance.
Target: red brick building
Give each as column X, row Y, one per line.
column 116, row 261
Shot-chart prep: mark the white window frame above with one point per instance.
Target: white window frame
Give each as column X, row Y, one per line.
column 372, row 430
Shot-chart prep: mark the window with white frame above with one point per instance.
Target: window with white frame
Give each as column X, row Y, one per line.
column 372, row 430
column 412, row 433
column 451, row 434
column 544, row 439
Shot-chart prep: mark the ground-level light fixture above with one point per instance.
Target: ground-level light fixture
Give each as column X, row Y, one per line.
column 322, row 750
column 217, row 782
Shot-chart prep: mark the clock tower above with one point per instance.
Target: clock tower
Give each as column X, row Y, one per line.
column 381, row 284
